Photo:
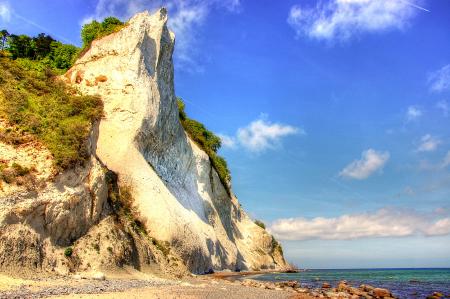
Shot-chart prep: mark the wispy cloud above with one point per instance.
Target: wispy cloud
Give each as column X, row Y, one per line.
column 446, row 161
column 185, row 18
column 343, row 19
column 260, row 135
column 387, row 222
column 439, row 80
column 443, row 105
column 370, row 162
column 428, row 143
column 413, row 113
column 5, row 12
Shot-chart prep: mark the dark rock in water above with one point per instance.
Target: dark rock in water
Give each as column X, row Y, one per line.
column 291, row 271
column 414, row 281
column 288, row 284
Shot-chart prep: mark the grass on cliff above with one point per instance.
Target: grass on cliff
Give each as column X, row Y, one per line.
column 34, row 102
column 207, row 141
column 122, row 202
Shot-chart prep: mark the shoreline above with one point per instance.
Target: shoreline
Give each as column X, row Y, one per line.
column 134, row 284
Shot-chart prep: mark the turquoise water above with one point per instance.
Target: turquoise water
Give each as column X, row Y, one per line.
column 404, row 283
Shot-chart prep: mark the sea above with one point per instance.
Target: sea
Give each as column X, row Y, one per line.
column 403, row 283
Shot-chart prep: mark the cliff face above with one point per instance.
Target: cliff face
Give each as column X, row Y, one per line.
column 176, row 191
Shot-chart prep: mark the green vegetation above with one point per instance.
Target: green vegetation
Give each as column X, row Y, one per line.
column 95, row 30
column 68, row 252
column 42, row 49
column 37, row 104
column 276, row 246
column 122, row 202
column 164, row 247
column 50, row 53
column 207, row 141
column 18, row 174
column 260, row 224
column 19, row 170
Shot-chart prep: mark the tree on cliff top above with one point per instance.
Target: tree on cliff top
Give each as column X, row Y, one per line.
column 94, row 30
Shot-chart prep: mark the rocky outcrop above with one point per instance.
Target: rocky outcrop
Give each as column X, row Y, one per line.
column 177, row 194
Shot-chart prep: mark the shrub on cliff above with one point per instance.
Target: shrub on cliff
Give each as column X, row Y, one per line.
column 94, row 30
column 207, row 141
column 33, row 101
column 260, row 224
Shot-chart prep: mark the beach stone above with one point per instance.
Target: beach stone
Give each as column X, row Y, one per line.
column 288, row 284
column 381, row 293
column 342, row 286
column 326, row 285
column 355, row 291
column 366, row 287
column 438, row 294
column 98, row 276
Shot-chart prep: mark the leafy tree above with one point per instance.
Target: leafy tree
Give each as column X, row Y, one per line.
column 3, row 38
column 110, row 22
column 21, row 46
column 95, row 30
column 89, row 32
column 43, row 45
column 62, row 56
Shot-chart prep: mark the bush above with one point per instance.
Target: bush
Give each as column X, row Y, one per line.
column 207, row 141
column 20, row 170
column 260, row 224
column 63, row 56
column 95, row 30
column 33, row 102
column 276, row 246
column 68, row 252
column 17, row 174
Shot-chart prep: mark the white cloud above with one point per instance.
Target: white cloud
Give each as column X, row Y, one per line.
column 428, row 143
column 387, row 222
column 440, row 80
column 443, row 105
column 371, row 161
column 5, row 12
column 413, row 113
column 260, row 135
column 342, row 19
column 185, row 18
column 227, row 141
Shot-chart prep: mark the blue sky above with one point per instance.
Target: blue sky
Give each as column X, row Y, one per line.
column 335, row 116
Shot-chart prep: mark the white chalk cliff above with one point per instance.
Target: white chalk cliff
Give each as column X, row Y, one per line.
column 176, row 190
